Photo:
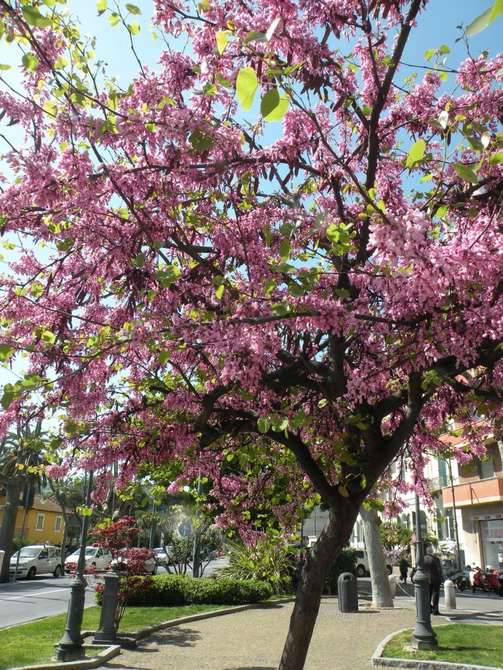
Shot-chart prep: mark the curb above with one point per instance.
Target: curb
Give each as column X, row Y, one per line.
column 381, row 662
column 109, row 651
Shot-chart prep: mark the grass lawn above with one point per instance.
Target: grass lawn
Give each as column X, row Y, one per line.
column 34, row 642
column 458, row 643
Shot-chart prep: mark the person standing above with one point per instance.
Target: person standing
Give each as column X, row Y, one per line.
column 404, row 569
column 433, row 570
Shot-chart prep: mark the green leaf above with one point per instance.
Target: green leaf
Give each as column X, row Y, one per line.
column 163, row 357
column 429, row 54
column 114, row 19
column 269, row 102
column 134, row 28
column 34, row 18
column 284, row 249
column 5, row 352
column 246, row 87
column 219, row 292
column 30, row 61
column 496, row 159
column 485, row 19
column 466, row 173
column 343, row 491
column 133, row 9
column 200, row 141
column 279, row 111
column 496, row 10
column 416, row 153
column 254, row 36
column 4, row 67
column 48, row 336
column 102, row 6
column 222, row 37
column 263, row 424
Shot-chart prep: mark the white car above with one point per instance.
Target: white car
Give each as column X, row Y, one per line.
column 362, row 564
column 96, row 558
column 36, row 559
column 148, row 565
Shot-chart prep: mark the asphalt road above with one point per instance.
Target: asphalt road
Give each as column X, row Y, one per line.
column 31, row 599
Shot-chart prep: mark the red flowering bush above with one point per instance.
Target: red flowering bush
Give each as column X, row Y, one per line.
column 128, row 561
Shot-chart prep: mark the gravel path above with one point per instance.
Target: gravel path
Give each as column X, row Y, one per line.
column 253, row 640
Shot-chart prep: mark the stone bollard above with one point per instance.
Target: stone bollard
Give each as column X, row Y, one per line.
column 393, row 584
column 107, row 632
column 449, row 595
column 347, row 593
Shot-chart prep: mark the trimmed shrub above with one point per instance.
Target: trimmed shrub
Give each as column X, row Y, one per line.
column 346, row 562
column 171, row 590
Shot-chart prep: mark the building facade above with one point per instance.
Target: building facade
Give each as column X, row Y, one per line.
column 43, row 523
column 475, row 496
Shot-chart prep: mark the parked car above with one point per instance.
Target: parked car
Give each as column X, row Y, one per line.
column 142, row 560
column 362, row 564
column 96, row 558
column 161, row 555
column 36, row 559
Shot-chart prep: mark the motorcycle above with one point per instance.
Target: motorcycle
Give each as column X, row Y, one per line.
column 460, row 579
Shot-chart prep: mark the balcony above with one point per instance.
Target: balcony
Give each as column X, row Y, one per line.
column 477, row 492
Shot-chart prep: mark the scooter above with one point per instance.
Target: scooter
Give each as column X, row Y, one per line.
column 480, row 581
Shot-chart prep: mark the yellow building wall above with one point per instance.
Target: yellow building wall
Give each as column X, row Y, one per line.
column 33, row 534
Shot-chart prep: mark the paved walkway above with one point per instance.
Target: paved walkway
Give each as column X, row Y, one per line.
column 253, row 640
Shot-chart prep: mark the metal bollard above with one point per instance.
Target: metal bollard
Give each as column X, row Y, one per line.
column 70, row 646
column 347, row 593
column 449, row 595
column 107, row 631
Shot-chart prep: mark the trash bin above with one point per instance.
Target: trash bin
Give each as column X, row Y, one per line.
column 347, row 593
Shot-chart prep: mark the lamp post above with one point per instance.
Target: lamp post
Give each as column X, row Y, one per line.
column 454, row 516
column 70, row 646
column 423, row 636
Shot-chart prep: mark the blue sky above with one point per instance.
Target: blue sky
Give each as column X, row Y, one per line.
column 436, row 26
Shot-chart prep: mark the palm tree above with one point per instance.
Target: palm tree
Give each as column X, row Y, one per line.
column 21, row 463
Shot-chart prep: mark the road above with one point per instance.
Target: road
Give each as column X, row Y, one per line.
column 31, row 599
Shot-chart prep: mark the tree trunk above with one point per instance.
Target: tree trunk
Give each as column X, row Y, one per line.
column 381, row 592
column 7, row 530
column 316, row 568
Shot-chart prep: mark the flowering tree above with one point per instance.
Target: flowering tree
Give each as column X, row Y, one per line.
column 268, row 248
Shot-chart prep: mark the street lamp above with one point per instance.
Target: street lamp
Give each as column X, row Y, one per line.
column 423, row 636
column 70, row 646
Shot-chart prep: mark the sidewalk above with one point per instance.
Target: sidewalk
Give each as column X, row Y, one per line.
column 253, row 640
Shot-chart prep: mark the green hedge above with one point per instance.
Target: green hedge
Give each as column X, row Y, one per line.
column 170, row 590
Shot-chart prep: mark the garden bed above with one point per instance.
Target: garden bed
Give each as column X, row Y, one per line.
column 465, row 644
column 34, row 642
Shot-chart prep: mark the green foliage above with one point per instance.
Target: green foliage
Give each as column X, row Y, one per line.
column 346, row 562
column 416, row 153
column 485, row 19
column 270, row 560
column 246, row 86
column 169, row 590
column 395, row 536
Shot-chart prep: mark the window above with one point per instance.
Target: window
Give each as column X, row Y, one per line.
column 40, row 522
column 58, row 523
